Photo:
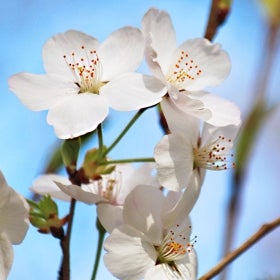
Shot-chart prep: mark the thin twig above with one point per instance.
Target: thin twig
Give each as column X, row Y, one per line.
column 265, row 229
column 218, row 14
column 64, row 272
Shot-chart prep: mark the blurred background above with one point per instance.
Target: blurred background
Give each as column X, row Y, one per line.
column 27, row 141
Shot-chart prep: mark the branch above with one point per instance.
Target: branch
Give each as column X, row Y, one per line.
column 250, row 129
column 265, row 229
column 64, row 272
column 218, row 14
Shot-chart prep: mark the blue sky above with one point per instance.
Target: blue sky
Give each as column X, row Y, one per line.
column 27, row 141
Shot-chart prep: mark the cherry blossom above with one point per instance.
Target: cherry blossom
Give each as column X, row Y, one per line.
column 183, row 156
column 108, row 193
column 154, row 241
column 187, row 70
column 84, row 78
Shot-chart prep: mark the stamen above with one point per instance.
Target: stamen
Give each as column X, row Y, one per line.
column 183, row 70
column 174, row 246
column 215, row 155
column 86, row 70
column 109, row 186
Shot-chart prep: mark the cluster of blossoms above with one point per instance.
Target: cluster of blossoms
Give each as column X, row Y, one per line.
column 144, row 210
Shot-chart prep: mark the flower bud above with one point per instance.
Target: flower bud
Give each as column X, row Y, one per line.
column 93, row 165
column 44, row 216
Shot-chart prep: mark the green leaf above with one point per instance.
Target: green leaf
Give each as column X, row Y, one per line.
column 70, row 151
column 56, row 162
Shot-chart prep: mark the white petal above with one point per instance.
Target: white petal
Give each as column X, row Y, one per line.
column 122, row 52
column 179, row 122
column 174, row 158
column 197, row 178
column 158, row 272
column 131, row 177
column 179, row 213
column 80, row 194
column 160, row 36
column 6, row 256
column 78, row 115
column 210, row 59
column 165, row 272
column 187, row 104
column 188, row 266
column 40, row 92
column 14, row 211
column 223, row 112
column 144, row 173
column 123, row 173
column 64, row 44
column 133, row 91
column 171, row 200
column 45, row 184
column 110, row 216
column 142, row 210
column 210, row 133
column 128, row 256
column 151, row 59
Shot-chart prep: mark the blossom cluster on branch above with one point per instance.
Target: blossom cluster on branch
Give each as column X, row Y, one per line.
column 145, row 210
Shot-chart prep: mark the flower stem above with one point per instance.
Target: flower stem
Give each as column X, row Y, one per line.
column 101, row 232
column 64, row 272
column 128, row 126
column 100, row 142
column 265, row 229
column 127, row 160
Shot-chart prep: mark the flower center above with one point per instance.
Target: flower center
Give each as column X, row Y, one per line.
column 174, row 247
column 215, row 155
column 86, row 69
column 183, row 71
column 109, row 186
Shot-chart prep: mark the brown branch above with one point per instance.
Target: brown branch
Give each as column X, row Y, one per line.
column 218, row 14
column 265, row 229
column 64, row 272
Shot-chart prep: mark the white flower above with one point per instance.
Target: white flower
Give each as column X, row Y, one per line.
column 183, row 155
column 45, row 184
column 14, row 212
column 108, row 193
column 84, row 78
column 187, row 69
column 154, row 242
column 6, row 256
